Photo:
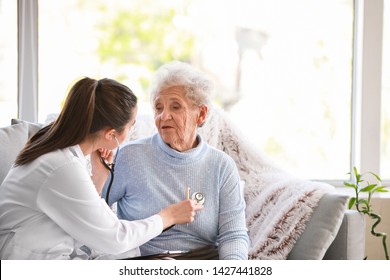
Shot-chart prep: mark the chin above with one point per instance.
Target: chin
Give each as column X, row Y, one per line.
column 166, row 137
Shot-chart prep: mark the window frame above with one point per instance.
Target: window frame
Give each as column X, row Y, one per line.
column 28, row 60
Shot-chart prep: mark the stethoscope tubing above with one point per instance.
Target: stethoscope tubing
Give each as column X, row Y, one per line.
column 111, row 168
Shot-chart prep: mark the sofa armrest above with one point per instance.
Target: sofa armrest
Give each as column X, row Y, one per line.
column 349, row 243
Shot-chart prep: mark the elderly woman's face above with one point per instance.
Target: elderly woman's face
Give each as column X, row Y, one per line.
column 177, row 118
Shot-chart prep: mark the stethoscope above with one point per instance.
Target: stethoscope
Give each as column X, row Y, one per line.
column 110, row 167
column 199, row 197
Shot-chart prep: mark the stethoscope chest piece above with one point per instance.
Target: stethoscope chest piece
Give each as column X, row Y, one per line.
column 199, row 197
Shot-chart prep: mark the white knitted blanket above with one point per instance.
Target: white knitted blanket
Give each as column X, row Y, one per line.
column 277, row 204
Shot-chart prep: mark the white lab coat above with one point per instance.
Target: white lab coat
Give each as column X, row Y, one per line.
column 50, row 209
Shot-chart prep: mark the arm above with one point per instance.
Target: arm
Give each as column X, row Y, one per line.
column 233, row 236
column 69, row 198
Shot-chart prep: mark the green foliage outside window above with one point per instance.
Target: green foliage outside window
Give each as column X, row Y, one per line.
column 146, row 38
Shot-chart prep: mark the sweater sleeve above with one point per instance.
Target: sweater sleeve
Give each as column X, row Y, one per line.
column 233, row 235
column 70, row 199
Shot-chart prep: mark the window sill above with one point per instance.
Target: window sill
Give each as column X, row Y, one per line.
column 340, row 188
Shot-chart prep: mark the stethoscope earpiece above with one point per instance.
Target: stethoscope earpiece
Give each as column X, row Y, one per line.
column 116, row 140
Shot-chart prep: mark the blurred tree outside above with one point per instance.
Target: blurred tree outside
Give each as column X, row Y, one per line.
column 145, row 37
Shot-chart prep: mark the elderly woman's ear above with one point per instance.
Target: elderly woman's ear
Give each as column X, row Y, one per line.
column 203, row 109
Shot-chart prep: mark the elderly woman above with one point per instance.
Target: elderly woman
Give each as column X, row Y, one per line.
column 176, row 163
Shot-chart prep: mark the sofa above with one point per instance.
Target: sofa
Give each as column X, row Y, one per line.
column 315, row 223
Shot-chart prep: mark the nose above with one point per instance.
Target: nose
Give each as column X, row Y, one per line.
column 165, row 115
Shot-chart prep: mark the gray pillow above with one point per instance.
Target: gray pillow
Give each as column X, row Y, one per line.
column 12, row 140
column 321, row 229
column 32, row 127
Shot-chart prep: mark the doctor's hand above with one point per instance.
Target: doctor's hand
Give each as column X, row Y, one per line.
column 180, row 213
column 99, row 171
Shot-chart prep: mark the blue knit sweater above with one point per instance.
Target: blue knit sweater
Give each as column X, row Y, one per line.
column 149, row 176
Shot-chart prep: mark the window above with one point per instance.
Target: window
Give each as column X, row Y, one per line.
column 295, row 86
column 284, row 77
column 125, row 40
column 282, row 68
column 67, row 43
column 385, row 125
column 8, row 62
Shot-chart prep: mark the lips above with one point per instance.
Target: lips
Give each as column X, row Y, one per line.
column 166, row 127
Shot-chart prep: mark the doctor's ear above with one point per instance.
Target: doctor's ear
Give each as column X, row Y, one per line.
column 110, row 134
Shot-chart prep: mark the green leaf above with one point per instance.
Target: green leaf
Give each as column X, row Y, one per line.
column 368, row 188
column 382, row 190
column 351, row 202
column 347, row 184
column 376, row 176
column 362, row 201
column 357, row 175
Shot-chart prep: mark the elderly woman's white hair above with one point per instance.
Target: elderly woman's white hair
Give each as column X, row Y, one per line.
column 197, row 85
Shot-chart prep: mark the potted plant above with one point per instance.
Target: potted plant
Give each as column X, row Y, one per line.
column 363, row 204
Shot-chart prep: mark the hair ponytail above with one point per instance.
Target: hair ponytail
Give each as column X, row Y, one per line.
column 90, row 106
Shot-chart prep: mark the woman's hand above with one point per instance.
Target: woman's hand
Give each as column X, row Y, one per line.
column 99, row 171
column 180, row 213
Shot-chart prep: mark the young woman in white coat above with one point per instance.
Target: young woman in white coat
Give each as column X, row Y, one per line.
column 50, row 204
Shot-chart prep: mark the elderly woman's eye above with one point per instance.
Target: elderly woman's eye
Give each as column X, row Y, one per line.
column 176, row 106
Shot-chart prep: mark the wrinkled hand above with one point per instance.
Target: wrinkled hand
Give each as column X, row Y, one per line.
column 180, row 213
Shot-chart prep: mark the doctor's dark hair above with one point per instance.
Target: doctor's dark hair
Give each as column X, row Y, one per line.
column 90, row 106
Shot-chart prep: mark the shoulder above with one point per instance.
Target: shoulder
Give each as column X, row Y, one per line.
column 140, row 143
column 64, row 161
column 61, row 164
column 220, row 155
column 139, row 148
column 58, row 158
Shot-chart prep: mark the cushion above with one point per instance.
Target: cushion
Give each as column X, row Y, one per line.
column 12, row 139
column 321, row 229
column 32, row 127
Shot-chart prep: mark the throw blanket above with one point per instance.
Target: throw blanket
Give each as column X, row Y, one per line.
column 278, row 204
